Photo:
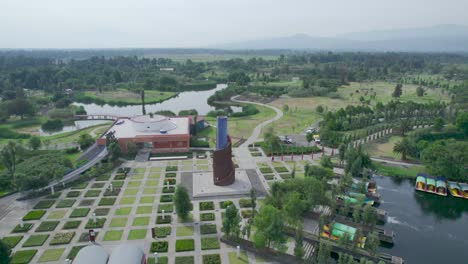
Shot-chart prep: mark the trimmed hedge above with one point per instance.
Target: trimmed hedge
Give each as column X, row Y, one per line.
column 44, row 204
column 166, row 220
column 170, row 189
column 79, row 212
column 185, row 260
column 166, row 198
column 245, row 203
column 92, row 193
column 66, row 203
column 99, row 223
column 26, row 227
column 97, row 185
column 23, row 256
column 71, row 224
column 12, row 241
column 281, row 169
column 207, row 217
column 62, row 238
column 205, row 206
column 171, row 175
column 170, row 181
column 268, row 177
column 88, row 202
column 211, row 259
column 266, row 170
column 73, row 193
column 185, row 245
column 209, row 243
column 225, row 204
column 208, row 229
column 101, row 211
column 159, row 246
column 34, row 215
column 47, row 226
column 106, row 201
column 163, row 231
column 35, row 241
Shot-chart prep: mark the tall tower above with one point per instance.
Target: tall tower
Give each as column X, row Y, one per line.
column 223, row 167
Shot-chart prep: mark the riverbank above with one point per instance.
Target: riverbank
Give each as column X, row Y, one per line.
column 122, row 97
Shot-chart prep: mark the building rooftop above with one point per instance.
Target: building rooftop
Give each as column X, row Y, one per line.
column 149, row 126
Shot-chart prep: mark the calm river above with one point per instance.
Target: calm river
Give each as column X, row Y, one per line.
column 184, row 101
column 428, row 228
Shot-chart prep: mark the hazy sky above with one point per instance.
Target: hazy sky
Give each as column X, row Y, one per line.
column 195, row 23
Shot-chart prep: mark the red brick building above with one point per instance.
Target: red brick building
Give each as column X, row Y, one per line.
column 159, row 133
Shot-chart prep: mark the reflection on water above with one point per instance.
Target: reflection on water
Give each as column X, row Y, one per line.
column 184, row 101
column 79, row 124
column 429, row 228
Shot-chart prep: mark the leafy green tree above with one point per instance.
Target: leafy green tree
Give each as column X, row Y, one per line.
column 447, row 157
column 319, row 109
column 309, row 138
column 405, row 147
column 182, row 202
column 294, row 207
column 438, row 124
column 85, row 140
column 285, row 108
column 398, row 90
column 5, row 252
column 404, row 126
column 462, row 122
column 372, row 243
column 231, row 221
column 269, row 224
column 369, row 215
column 324, row 251
column 9, row 157
column 253, row 201
column 420, row 91
column 299, row 242
column 35, row 142
column 341, row 153
column 356, row 161
column 115, row 152
column 326, row 162
column 132, row 149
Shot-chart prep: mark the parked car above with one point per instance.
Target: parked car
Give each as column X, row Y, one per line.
column 285, row 139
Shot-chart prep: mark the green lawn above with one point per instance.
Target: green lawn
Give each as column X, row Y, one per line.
column 23, row 256
column 130, row 192
column 144, row 209
column 35, row 240
column 133, row 184
column 137, row 234
column 118, row 222
column 147, row 199
column 141, row 221
column 398, row 171
column 12, row 241
column 113, row 235
column 150, row 191
column 184, row 231
column 59, row 214
column 127, row 200
column 209, row 243
column 239, row 127
column 123, row 211
column 383, row 148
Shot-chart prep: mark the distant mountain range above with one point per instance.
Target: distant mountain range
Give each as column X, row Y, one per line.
column 441, row 38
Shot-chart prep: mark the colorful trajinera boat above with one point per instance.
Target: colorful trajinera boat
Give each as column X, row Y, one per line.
column 455, row 189
column 441, row 186
column 420, row 183
column 430, row 185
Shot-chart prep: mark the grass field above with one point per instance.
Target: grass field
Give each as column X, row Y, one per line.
column 383, row 148
column 128, row 97
column 302, row 111
column 397, row 171
column 238, row 127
